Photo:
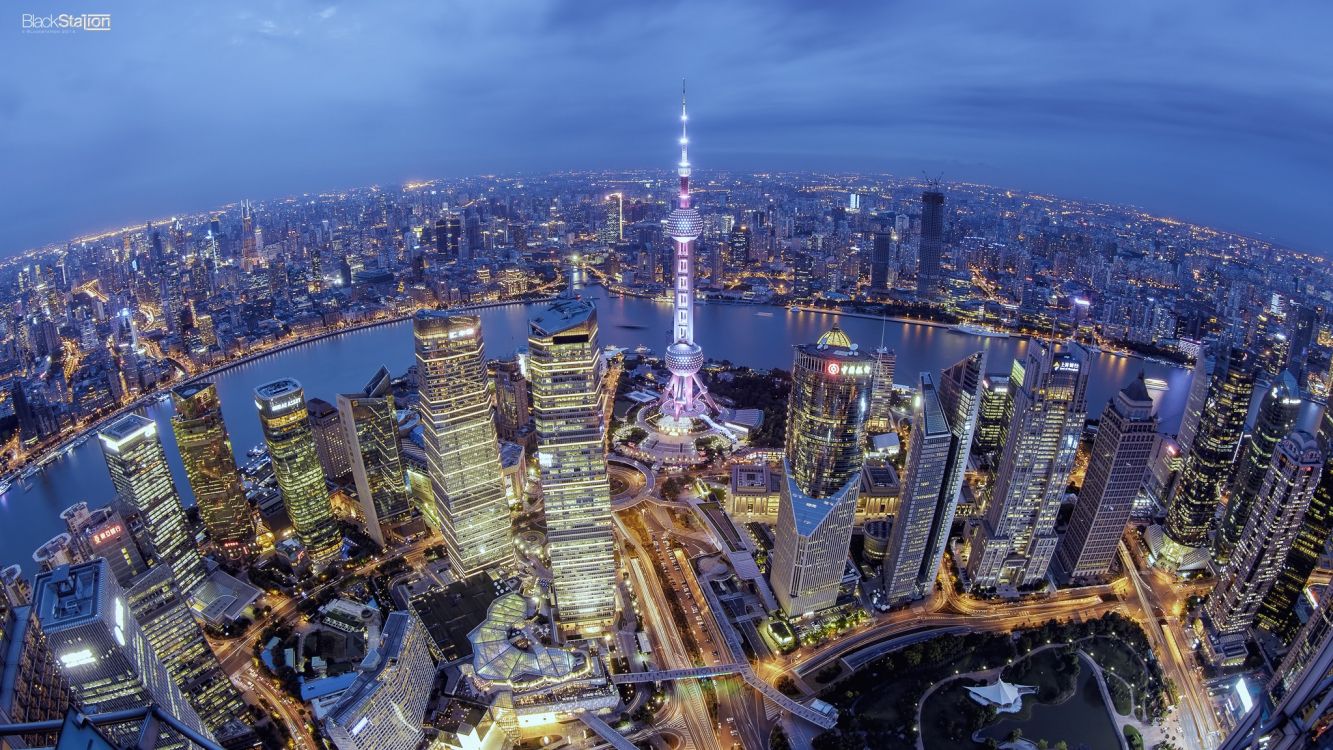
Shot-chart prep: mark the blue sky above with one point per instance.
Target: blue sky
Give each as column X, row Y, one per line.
column 1214, row 111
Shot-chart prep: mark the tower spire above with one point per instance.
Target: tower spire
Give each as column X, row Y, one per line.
column 684, row 166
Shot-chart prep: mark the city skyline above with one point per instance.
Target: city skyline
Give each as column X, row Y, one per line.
column 1103, row 115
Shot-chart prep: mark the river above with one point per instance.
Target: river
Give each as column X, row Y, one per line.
column 753, row 335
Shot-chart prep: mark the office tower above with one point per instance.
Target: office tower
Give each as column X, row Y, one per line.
column 512, row 412
column 1014, row 543
column 613, row 219
column 335, row 458
column 1208, row 465
column 291, row 447
column 1200, row 379
column 462, row 453
column 102, row 651
column 1277, row 614
column 826, row 414
column 738, row 248
column 367, row 418
column 210, row 466
column 32, row 687
column 931, row 250
column 385, row 706
column 139, row 471
column 110, row 537
column 881, row 261
column 1126, row 438
column 249, row 252
column 566, row 369
column 1278, row 410
column 993, row 416
column 1273, row 522
column 685, row 395
column 162, row 613
column 943, row 421
column 881, row 391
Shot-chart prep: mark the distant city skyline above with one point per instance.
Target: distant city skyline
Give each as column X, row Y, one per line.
column 1189, row 112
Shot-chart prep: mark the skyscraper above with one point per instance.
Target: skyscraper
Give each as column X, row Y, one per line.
column 931, row 250
column 161, row 611
column 512, row 410
column 335, row 457
column 1126, row 437
column 249, row 252
column 102, row 650
column 1014, row 543
column 613, row 219
column 139, row 471
column 1277, row 613
column 1200, row 379
column 942, row 426
column 1278, row 410
column 1190, row 512
column 685, row 395
column 371, row 433
column 826, row 416
column 210, row 466
column 385, row 706
column 1273, row 523
column 566, row 369
column 32, row 687
column 993, row 417
column 881, row 261
column 286, row 425
column 462, row 453
column 881, row 391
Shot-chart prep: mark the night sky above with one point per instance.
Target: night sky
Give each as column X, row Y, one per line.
column 1214, row 111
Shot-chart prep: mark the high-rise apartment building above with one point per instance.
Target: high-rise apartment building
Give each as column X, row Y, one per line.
column 462, row 453
column 165, row 618
column 1015, row 541
column 826, row 415
column 931, row 249
column 1194, row 502
column 210, row 467
column 385, row 707
column 139, row 472
column 1274, row 519
column 367, row 418
column 1278, row 409
column 566, row 368
column 1121, row 452
column 102, row 651
column 291, row 446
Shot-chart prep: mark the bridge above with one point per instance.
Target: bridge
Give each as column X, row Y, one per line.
column 688, row 673
column 605, row 731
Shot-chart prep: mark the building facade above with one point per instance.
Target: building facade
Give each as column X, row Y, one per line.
column 826, row 416
column 566, row 369
column 385, row 707
column 371, row 433
column 139, row 472
column 285, row 422
column 1278, row 409
column 1125, row 442
column 210, row 466
column 462, row 450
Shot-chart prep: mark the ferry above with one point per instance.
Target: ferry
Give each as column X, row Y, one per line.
column 764, row 314
column 4, row 486
column 976, row 330
column 256, row 451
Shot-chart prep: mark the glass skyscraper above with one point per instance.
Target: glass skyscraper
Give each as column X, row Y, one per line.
column 210, row 466
column 565, row 367
column 291, row 446
column 139, row 471
column 462, row 452
column 1278, row 409
column 826, row 416
column 367, row 418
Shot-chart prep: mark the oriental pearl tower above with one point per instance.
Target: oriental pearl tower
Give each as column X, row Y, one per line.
column 685, row 395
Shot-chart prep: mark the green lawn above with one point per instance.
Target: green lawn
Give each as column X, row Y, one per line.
column 1052, row 671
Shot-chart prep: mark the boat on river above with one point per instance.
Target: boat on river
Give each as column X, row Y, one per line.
column 976, row 330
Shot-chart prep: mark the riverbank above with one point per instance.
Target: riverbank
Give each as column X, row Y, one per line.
column 49, row 454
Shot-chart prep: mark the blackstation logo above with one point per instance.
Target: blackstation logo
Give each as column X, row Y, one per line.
column 64, row 23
